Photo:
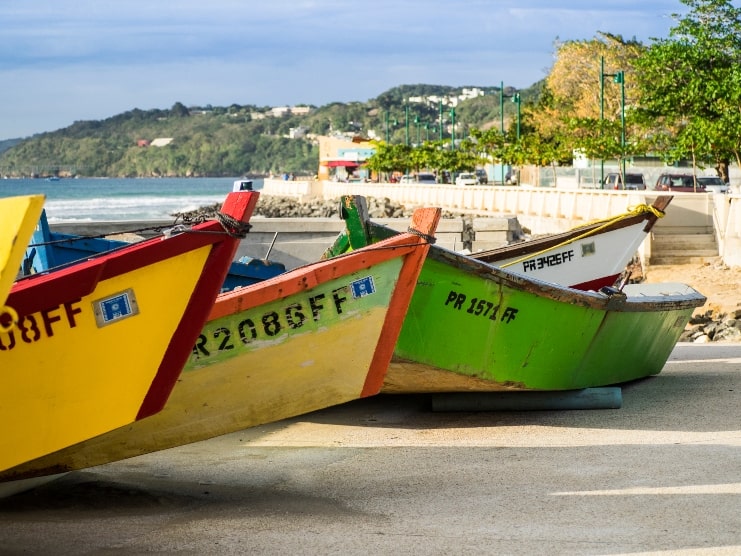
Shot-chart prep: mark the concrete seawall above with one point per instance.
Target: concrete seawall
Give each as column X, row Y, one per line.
column 494, row 216
column 297, row 241
column 550, row 210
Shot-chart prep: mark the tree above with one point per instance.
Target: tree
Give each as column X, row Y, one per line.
column 690, row 84
column 573, row 86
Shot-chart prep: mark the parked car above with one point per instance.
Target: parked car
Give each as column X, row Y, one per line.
column 613, row 180
column 713, row 184
column 422, row 177
column 679, row 182
column 466, row 178
column 426, row 178
column 482, row 176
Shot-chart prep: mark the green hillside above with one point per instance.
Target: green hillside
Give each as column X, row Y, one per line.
column 237, row 140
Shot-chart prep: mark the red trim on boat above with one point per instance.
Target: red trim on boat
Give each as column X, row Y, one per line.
column 240, row 206
column 41, row 291
column 597, row 283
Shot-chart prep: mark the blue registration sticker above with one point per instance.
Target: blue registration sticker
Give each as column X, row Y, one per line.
column 114, row 308
column 362, row 287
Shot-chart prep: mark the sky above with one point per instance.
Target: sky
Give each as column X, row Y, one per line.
column 63, row 61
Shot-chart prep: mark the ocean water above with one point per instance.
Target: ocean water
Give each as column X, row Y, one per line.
column 105, row 199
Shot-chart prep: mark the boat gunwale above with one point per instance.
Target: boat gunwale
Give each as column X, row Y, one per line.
column 312, row 274
column 563, row 294
column 546, row 242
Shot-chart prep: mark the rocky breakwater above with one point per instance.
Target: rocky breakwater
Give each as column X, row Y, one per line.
column 711, row 327
column 285, row 207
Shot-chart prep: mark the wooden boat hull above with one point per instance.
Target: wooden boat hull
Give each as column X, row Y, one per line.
column 18, row 217
column 586, row 258
column 589, row 263
column 101, row 344
column 316, row 336
column 473, row 327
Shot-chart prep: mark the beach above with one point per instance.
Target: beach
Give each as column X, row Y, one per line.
column 387, row 475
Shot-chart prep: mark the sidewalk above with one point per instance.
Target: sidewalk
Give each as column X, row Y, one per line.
column 386, row 475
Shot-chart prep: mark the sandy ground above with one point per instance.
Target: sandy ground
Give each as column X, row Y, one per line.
column 386, row 475
column 719, row 283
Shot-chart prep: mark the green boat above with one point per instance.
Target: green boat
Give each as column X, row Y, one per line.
column 475, row 327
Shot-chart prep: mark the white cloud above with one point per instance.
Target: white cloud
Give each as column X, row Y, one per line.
column 70, row 60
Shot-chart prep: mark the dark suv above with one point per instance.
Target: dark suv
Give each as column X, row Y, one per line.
column 613, row 180
column 679, row 182
column 481, row 176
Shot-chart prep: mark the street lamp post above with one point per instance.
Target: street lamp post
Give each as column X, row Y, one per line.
column 429, row 127
column 406, row 123
column 619, row 78
column 440, row 120
column 501, row 106
column 388, row 123
column 452, row 129
column 516, row 100
column 416, row 122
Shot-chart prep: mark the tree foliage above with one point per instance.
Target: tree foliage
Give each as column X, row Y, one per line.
column 690, row 85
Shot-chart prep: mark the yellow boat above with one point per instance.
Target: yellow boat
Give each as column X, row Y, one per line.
column 319, row 335
column 100, row 344
column 18, row 218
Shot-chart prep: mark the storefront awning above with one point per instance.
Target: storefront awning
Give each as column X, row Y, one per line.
column 345, row 163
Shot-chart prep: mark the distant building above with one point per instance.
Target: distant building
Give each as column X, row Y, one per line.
column 300, row 110
column 343, row 158
column 297, row 132
column 278, row 111
column 142, row 143
column 161, row 141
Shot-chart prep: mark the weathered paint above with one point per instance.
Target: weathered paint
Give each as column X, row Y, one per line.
column 18, row 217
column 492, row 330
column 472, row 326
column 78, row 397
column 585, row 258
column 65, row 378
column 308, row 344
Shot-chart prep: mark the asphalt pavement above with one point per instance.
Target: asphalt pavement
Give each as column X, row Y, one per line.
column 388, row 475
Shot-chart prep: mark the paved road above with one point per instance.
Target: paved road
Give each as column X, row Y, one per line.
column 661, row 475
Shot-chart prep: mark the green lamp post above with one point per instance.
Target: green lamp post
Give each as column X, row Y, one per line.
column 618, row 78
column 501, row 107
column 389, row 123
column 452, row 129
column 406, row 123
column 440, row 120
column 516, row 100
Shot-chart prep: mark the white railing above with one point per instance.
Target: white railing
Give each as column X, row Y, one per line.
column 544, row 209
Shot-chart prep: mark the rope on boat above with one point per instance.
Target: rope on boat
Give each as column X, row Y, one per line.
column 103, row 236
column 8, row 310
column 231, row 225
column 428, row 238
column 632, row 211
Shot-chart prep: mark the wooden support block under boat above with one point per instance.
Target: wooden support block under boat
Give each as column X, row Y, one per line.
column 609, row 397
